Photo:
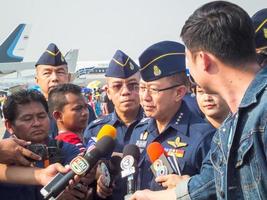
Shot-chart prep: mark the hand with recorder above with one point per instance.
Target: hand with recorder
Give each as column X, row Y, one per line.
column 83, row 164
column 14, row 151
column 127, row 176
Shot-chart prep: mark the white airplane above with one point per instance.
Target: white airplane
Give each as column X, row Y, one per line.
column 91, row 67
column 13, row 48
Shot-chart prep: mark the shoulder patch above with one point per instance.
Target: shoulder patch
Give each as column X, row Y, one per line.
column 144, row 119
column 97, row 120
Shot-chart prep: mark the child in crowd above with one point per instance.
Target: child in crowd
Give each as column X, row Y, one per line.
column 70, row 110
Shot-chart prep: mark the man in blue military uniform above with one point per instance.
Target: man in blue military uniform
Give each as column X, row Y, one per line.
column 26, row 114
column 183, row 134
column 123, row 85
column 52, row 70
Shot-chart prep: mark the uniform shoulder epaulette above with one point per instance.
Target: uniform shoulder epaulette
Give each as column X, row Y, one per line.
column 99, row 121
column 145, row 120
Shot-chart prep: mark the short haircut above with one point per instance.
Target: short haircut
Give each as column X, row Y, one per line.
column 223, row 29
column 57, row 96
column 22, row 97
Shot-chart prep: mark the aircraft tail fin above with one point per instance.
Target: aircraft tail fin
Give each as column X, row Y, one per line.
column 71, row 58
column 13, row 48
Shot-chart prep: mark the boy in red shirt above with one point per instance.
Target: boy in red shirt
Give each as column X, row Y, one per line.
column 68, row 107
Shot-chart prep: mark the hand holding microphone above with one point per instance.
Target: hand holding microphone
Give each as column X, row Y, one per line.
column 82, row 164
column 129, row 162
column 160, row 164
column 164, row 169
column 108, row 170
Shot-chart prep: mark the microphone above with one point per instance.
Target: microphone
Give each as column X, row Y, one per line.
column 110, row 169
column 79, row 165
column 129, row 162
column 160, row 164
column 106, row 130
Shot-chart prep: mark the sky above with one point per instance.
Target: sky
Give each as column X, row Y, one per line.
column 98, row 27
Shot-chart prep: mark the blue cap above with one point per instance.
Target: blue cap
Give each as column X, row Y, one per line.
column 162, row 59
column 121, row 66
column 259, row 20
column 51, row 56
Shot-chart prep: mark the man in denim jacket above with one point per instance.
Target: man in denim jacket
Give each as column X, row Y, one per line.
column 219, row 37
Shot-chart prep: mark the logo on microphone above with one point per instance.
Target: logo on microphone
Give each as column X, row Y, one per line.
column 160, row 168
column 127, row 162
column 127, row 166
column 79, row 165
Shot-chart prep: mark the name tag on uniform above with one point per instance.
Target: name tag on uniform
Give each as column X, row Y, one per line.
column 141, row 143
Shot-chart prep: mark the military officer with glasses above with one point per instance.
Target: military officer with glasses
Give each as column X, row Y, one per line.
column 184, row 135
column 123, row 78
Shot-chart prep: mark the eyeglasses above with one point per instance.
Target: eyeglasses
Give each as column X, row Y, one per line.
column 155, row 91
column 118, row 87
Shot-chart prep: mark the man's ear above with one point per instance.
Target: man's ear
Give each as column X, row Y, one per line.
column 36, row 79
column 180, row 92
column 206, row 60
column 9, row 126
column 57, row 115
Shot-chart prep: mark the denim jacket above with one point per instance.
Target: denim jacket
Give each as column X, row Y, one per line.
column 236, row 166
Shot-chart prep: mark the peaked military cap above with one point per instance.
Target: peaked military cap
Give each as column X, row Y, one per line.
column 51, row 56
column 121, row 66
column 162, row 59
column 259, row 20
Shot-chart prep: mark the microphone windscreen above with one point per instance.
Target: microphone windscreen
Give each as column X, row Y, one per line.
column 107, row 130
column 154, row 151
column 133, row 150
column 115, row 162
column 105, row 145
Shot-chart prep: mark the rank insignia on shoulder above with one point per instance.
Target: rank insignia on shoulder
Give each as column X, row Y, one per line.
column 144, row 119
column 97, row 120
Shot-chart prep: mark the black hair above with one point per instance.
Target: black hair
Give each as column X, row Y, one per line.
column 22, row 97
column 223, row 29
column 57, row 96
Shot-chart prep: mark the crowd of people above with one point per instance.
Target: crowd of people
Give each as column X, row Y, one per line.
column 211, row 124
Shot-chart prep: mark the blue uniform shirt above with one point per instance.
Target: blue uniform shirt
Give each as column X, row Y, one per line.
column 122, row 139
column 123, row 132
column 187, row 136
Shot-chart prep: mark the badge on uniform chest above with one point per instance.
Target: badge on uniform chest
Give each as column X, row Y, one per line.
column 142, row 142
column 177, row 149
